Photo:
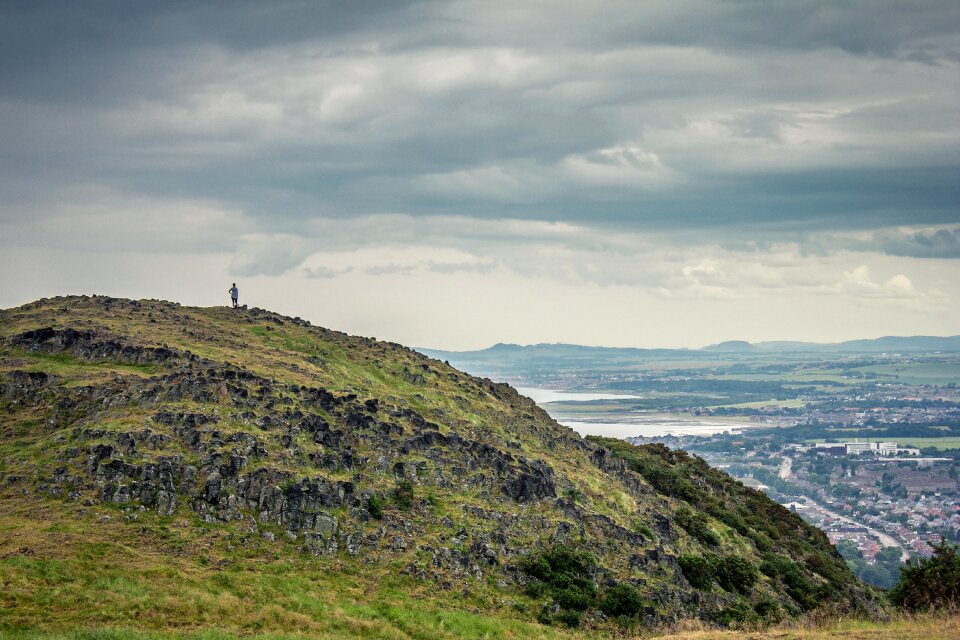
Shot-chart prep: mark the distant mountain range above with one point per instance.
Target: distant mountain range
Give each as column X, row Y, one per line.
column 886, row 344
column 513, row 359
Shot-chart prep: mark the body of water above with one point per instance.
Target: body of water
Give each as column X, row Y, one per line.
column 626, row 425
column 655, row 425
column 541, row 396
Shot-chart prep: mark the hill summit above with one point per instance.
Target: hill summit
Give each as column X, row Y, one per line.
column 732, row 346
column 344, row 476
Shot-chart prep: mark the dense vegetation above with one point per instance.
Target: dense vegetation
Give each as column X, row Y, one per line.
column 808, row 567
column 930, row 583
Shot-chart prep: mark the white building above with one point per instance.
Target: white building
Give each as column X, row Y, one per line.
column 878, row 448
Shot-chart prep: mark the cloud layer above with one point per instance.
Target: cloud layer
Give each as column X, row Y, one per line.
column 751, row 153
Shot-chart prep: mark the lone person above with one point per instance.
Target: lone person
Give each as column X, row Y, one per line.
column 234, row 295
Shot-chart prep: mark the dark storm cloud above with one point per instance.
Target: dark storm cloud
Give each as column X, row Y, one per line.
column 740, row 117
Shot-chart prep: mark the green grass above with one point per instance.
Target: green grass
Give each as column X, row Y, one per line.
column 84, row 578
column 63, row 364
column 944, row 626
column 942, row 444
column 773, row 402
column 937, row 373
column 938, row 443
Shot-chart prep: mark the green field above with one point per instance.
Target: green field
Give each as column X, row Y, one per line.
column 919, row 373
column 772, row 402
column 942, row 444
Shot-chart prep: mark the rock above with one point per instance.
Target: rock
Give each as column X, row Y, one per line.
column 211, row 488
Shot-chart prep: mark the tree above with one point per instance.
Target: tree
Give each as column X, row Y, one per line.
column 930, row 583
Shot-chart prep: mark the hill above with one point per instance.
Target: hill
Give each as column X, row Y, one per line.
column 171, row 468
column 531, row 361
column 732, row 346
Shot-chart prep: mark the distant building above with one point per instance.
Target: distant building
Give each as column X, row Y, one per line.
column 886, row 448
column 831, row 448
column 858, row 448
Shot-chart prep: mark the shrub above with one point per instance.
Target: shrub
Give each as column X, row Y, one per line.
column 735, row 522
column 734, row 573
column 568, row 618
column 696, row 525
column 698, row 570
column 798, row 586
column 403, row 495
column 375, row 507
column 738, row 613
column 621, row 600
column 563, row 574
column 645, row 531
column 768, row 610
column 575, row 597
column 930, row 583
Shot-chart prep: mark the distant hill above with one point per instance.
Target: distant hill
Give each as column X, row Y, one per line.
column 511, row 359
column 904, row 344
column 505, row 360
column 911, row 344
column 178, row 469
column 732, row 346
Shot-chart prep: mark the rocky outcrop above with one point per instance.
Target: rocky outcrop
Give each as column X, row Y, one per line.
column 24, row 386
column 87, row 345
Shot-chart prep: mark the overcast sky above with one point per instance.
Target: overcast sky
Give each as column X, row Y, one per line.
column 455, row 174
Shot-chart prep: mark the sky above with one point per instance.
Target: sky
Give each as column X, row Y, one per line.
column 456, row 174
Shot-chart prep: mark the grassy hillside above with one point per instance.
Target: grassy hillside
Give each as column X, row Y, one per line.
column 175, row 469
column 940, row 627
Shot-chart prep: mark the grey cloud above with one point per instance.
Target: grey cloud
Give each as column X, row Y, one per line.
column 739, row 118
column 883, row 27
column 271, row 255
column 324, row 273
column 939, row 243
column 931, row 242
column 432, row 266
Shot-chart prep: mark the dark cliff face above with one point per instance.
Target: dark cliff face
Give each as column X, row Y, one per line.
column 366, row 452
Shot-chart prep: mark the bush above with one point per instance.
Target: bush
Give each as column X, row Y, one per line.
column 563, row 574
column 737, row 614
column 696, row 525
column 698, row 570
column 768, row 610
column 733, row 573
column 930, row 583
column 645, row 531
column 735, row 522
column 575, row 597
column 375, row 507
column 798, row 586
column 621, row 600
column 403, row 495
column 568, row 618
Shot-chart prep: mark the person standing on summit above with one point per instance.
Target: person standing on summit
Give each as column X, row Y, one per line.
column 234, row 295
